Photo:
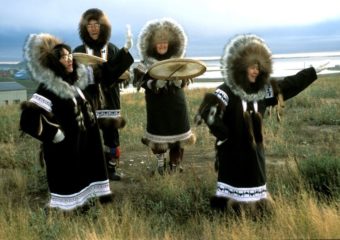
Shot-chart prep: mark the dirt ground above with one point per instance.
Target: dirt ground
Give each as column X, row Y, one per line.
column 136, row 167
column 138, row 164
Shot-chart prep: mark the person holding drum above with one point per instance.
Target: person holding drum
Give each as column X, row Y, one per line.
column 167, row 127
column 95, row 31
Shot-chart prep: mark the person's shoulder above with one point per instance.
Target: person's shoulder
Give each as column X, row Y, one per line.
column 112, row 46
column 80, row 48
column 223, row 87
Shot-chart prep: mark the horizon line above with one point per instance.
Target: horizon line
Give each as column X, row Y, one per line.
column 212, row 58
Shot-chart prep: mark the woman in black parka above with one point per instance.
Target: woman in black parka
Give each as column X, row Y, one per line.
column 60, row 116
column 234, row 115
column 167, row 125
column 95, row 32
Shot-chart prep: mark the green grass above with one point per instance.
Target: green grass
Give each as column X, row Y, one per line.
column 303, row 151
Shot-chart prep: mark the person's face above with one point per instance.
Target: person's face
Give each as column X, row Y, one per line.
column 252, row 72
column 93, row 28
column 162, row 47
column 67, row 60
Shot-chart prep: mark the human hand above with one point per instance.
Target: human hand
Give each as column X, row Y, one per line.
column 58, row 137
column 128, row 41
column 142, row 68
column 160, row 83
column 321, row 67
column 155, row 85
column 177, row 83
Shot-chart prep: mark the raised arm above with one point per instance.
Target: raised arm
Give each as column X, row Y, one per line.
column 292, row 85
column 117, row 65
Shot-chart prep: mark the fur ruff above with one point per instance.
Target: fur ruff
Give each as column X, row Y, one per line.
column 209, row 102
column 257, row 209
column 257, row 124
column 117, row 123
column 250, row 128
column 280, row 100
column 105, row 28
column 175, row 35
column 163, row 147
column 239, row 53
column 253, row 123
column 37, row 47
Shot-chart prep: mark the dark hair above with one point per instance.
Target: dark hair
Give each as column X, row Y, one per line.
column 58, row 50
column 105, row 28
column 173, row 47
column 58, row 68
column 243, row 81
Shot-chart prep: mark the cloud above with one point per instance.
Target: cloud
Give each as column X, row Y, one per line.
column 211, row 22
column 208, row 15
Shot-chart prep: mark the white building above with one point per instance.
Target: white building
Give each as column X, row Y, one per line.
column 12, row 92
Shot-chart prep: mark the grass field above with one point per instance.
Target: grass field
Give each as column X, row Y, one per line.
column 303, row 168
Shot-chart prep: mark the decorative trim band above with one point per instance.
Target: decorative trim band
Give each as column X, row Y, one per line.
column 222, row 96
column 269, row 91
column 108, row 113
column 72, row 201
column 250, row 194
column 42, row 102
column 168, row 139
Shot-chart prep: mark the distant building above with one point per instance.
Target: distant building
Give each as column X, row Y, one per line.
column 5, row 73
column 21, row 75
column 12, row 92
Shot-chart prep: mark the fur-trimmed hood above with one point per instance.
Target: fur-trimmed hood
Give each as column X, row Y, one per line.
column 239, row 53
column 105, row 28
column 36, row 49
column 169, row 29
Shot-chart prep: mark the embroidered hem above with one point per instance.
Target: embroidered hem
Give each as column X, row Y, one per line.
column 250, row 194
column 168, row 139
column 72, row 201
column 108, row 113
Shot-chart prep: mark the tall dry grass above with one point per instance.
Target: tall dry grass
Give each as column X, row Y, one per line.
column 177, row 206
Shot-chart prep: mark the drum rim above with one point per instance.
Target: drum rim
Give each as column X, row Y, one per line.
column 87, row 59
column 202, row 69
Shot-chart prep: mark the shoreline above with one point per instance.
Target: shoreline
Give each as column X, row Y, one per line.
column 283, row 64
column 296, row 55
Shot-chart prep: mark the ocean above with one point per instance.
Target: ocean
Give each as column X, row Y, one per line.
column 283, row 65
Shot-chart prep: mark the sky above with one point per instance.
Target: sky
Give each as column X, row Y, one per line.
column 208, row 23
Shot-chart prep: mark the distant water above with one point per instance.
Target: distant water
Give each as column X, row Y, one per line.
column 284, row 64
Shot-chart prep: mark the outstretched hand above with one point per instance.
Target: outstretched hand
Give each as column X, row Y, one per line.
column 128, row 41
column 160, row 83
column 321, row 67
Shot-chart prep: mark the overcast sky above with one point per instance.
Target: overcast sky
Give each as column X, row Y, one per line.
column 206, row 17
column 200, row 14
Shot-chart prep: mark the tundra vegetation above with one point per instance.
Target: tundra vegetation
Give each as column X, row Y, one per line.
column 303, row 165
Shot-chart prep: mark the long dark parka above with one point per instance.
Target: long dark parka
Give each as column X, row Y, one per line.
column 105, row 93
column 167, row 125
column 60, row 116
column 234, row 114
